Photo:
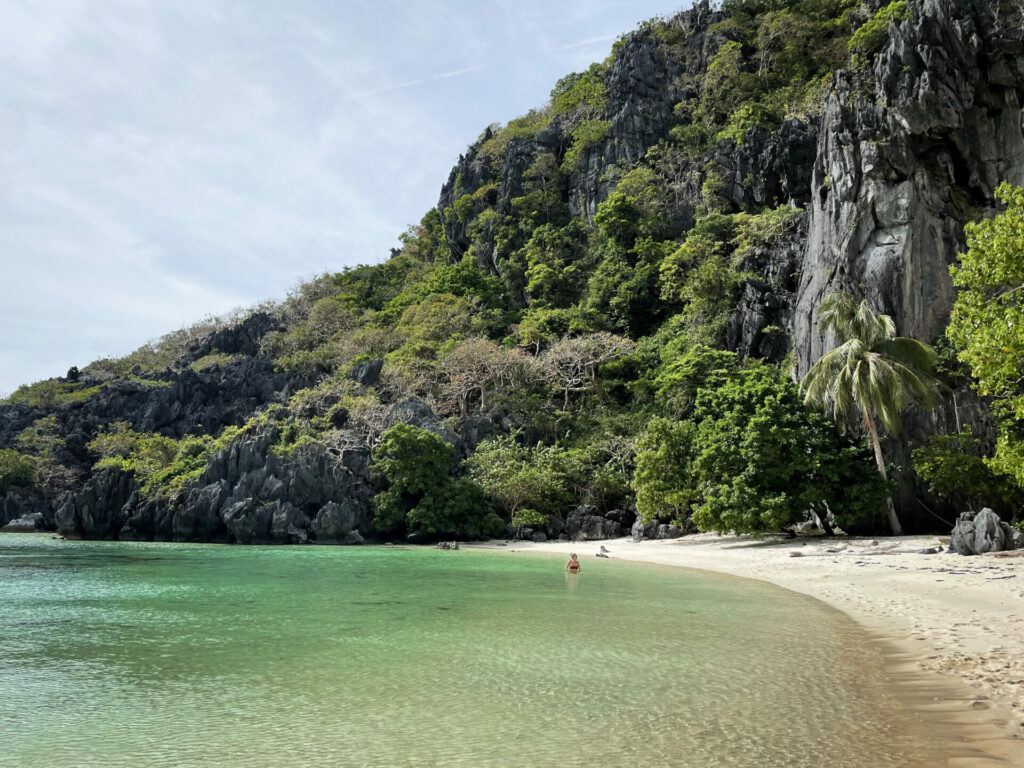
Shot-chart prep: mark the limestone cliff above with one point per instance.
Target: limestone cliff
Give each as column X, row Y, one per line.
column 904, row 147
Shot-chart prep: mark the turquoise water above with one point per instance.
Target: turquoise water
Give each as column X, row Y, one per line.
column 126, row 654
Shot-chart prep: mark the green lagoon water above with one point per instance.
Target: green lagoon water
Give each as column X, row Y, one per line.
column 126, row 654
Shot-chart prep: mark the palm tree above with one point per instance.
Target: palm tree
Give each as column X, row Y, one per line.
column 872, row 373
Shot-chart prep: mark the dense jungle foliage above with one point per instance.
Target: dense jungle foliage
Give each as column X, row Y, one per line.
column 594, row 346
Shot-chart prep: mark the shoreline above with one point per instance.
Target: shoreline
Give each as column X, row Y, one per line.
column 954, row 624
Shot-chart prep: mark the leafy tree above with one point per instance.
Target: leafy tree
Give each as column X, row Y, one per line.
column 763, row 460
column 664, row 481
column 16, row 470
column 685, row 372
column 581, row 96
column 43, row 440
column 161, row 465
column 516, row 477
column 987, row 323
column 870, row 36
column 422, row 495
column 456, row 507
column 635, row 209
column 542, row 199
column 872, row 374
column 540, row 326
column 528, row 518
column 479, row 366
column 557, row 265
column 624, row 287
column 571, row 364
column 955, row 467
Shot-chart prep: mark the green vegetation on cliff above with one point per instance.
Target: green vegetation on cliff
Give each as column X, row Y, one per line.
column 571, row 312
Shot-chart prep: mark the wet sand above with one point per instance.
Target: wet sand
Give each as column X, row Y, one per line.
column 954, row 626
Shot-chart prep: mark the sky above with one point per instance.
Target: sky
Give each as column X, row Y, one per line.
column 163, row 160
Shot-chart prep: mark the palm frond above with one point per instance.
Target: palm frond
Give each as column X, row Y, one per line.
column 910, row 352
column 873, row 371
column 836, row 311
column 917, row 388
column 816, row 382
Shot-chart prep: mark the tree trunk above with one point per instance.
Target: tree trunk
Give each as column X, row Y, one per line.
column 822, row 518
column 890, row 508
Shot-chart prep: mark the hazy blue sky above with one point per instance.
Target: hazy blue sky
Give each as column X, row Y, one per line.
column 161, row 161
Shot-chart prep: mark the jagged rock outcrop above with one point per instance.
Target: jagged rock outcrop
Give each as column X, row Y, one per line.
column 13, row 419
column 908, row 152
column 96, row 511
column 15, row 506
column 660, row 529
column 976, row 533
column 242, row 338
column 249, row 493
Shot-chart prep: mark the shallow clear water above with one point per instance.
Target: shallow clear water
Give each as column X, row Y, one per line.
column 126, row 654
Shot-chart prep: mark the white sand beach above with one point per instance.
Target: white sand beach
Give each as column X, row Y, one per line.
column 955, row 621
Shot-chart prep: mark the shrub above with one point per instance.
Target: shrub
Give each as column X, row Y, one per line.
column 870, row 36
column 421, row 494
column 528, row 518
column 763, row 459
column 51, row 393
column 587, row 134
column 16, row 470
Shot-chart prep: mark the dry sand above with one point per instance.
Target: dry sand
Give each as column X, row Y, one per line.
column 961, row 618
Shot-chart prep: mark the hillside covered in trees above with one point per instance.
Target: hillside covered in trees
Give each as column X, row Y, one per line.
column 608, row 313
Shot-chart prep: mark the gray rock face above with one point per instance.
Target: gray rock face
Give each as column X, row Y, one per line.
column 96, row 512
column 29, row 523
column 655, row 529
column 14, row 507
column 908, row 153
column 584, row 523
column 367, row 372
column 978, row 532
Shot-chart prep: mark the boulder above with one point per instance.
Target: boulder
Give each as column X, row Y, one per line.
column 288, row 524
column 585, row 523
column 978, row 532
column 657, row 529
column 353, row 537
column 249, row 521
column 30, row 523
column 334, row 522
column 367, row 372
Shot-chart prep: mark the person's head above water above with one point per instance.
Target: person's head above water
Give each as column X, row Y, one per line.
column 572, row 555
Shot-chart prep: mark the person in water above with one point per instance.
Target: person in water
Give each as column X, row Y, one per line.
column 573, row 566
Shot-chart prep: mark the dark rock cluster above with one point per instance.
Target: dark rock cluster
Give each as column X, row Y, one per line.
column 976, row 533
column 247, row 494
